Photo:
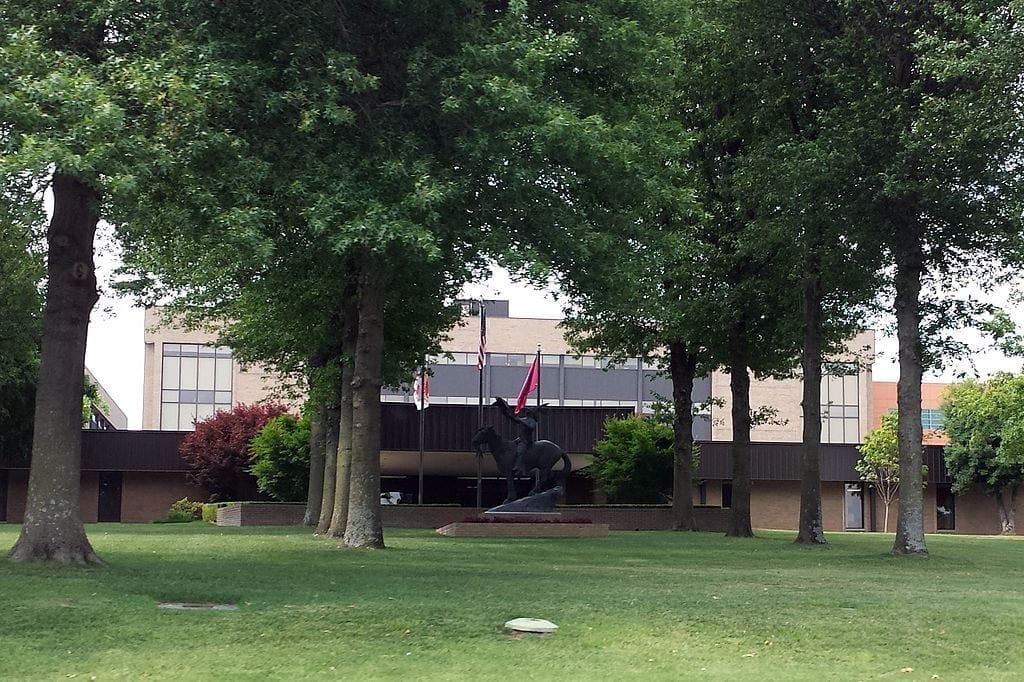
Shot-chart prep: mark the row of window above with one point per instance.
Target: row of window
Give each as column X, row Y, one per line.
column 526, row 359
column 195, row 350
column 466, row 400
column 196, row 382
column 932, row 420
column 840, row 406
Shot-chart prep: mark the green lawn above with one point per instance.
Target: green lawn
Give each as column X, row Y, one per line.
column 633, row 605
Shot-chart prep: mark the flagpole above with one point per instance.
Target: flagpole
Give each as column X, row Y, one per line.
column 423, row 372
column 536, row 431
column 481, row 365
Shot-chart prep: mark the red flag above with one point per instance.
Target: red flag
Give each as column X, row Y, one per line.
column 531, row 383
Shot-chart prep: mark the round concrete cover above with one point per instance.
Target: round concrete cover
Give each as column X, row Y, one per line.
column 531, row 625
column 193, row 606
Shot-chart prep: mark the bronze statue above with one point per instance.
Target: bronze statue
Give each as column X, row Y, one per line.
column 540, row 457
column 527, row 427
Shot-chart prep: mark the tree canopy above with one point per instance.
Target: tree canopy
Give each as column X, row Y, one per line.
column 280, row 452
column 879, row 465
column 985, row 425
column 633, row 461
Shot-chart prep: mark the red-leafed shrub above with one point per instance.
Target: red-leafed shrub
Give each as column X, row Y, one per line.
column 217, row 452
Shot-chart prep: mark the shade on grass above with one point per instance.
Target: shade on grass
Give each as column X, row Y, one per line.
column 633, row 605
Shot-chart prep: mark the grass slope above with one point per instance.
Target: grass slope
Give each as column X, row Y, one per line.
column 645, row 606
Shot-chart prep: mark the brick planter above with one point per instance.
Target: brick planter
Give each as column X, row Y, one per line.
column 465, row 529
column 711, row 519
column 261, row 514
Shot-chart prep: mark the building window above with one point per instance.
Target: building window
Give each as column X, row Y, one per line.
column 932, row 420
column 726, row 495
column 840, row 405
column 195, row 383
column 945, row 508
column 853, row 506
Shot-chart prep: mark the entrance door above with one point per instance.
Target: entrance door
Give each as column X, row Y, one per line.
column 109, row 503
column 853, row 506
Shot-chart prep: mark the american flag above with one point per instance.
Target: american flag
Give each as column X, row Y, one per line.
column 481, row 354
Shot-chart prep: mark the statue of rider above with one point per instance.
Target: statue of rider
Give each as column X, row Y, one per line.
column 527, row 427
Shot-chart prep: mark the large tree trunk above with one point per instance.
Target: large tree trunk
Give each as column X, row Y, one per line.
column 811, row 530
column 332, row 426
column 909, row 269
column 1007, row 511
column 53, row 529
column 317, row 448
column 739, row 515
column 343, row 468
column 364, row 528
column 682, row 367
column 343, row 475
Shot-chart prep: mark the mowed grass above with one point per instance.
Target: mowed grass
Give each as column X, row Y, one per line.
column 651, row 606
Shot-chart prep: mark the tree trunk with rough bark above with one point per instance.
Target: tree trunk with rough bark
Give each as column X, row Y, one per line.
column 343, row 469
column 364, row 528
column 909, row 270
column 1007, row 511
column 811, row 529
column 739, row 515
column 682, row 367
column 317, row 448
column 331, row 426
column 53, row 529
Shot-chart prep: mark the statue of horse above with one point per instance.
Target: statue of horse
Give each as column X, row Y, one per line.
column 541, row 457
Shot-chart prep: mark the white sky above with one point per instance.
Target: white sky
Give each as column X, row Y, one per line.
column 115, row 349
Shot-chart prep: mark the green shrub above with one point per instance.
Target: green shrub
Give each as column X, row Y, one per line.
column 210, row 511
column 280, row 455
column 184, row 510
column 633, row 461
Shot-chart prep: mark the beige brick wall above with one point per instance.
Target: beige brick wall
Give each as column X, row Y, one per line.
column 775, row 504
column 508, row 335
column 249, row 384
column 785, row 396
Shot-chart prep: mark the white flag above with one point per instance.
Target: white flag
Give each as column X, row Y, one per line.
column 421, row 391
